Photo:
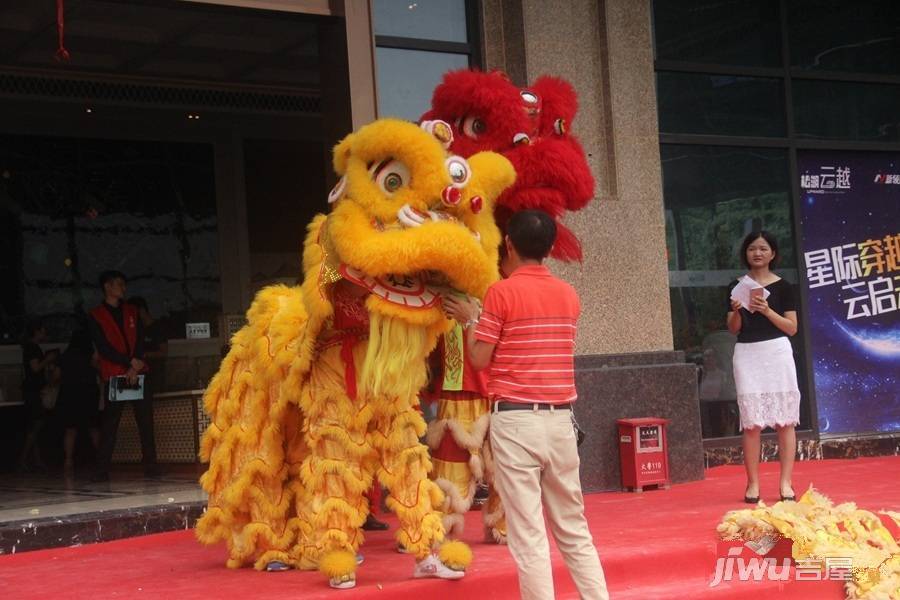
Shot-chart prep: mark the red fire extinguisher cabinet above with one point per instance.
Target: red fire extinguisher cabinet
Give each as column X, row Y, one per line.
column 644, row 453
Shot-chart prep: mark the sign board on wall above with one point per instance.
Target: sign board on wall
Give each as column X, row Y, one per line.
column 196, row 331
column 850, row 202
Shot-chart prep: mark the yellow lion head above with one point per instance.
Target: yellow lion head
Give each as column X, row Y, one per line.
column 409, row 223
column 411, row 220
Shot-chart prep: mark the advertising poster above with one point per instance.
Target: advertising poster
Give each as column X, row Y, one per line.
column 850, row 218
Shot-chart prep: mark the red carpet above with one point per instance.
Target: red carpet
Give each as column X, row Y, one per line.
column 659, row 544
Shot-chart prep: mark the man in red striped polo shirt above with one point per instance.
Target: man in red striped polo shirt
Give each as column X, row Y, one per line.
column 526, row 334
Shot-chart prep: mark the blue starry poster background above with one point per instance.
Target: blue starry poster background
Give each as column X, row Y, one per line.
column 856, row 362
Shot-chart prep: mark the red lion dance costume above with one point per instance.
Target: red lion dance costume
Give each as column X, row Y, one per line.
column 530, row 127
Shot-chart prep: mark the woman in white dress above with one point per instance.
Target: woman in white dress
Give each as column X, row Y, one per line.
column 764, row 372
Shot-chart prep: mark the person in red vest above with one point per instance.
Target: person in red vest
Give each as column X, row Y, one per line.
column 118, row 336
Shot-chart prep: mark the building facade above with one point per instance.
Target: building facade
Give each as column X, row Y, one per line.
column 187, row 143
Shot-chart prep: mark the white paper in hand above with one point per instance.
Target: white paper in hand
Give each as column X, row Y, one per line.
column 741, row 291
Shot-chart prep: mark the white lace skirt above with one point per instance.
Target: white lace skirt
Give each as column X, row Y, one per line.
column 766, row 381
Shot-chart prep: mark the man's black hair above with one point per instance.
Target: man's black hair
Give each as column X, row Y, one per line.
column 532, row 233
column 107, row 276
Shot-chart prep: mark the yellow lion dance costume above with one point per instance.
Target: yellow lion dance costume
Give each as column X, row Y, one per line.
column 318, row 394
column 821, row 531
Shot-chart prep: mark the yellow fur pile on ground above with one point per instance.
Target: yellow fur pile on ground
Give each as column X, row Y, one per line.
column 821, row 530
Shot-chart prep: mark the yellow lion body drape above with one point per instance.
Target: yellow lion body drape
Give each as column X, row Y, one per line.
column 306, row 414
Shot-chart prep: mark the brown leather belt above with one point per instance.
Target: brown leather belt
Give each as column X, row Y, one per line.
column 505, row 405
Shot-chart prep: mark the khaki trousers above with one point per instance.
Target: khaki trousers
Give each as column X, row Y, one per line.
column 536, row 463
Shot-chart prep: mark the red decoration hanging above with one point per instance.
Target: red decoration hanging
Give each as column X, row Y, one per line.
column 62, row 55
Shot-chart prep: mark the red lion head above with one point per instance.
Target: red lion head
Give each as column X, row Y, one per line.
column 530, row 127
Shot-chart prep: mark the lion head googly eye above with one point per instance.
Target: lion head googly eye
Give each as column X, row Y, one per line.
column 337, row 192
column 559, row 126
column 390, row 175
column 521, row 139
column 441, row 130
column 459, row 171
column 528, row 97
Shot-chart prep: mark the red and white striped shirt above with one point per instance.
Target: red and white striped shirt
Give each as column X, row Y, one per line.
column 530, row 318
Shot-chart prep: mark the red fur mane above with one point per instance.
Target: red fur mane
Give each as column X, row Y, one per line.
column 488, row 112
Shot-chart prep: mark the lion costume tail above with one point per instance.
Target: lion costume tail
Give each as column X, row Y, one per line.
column 254, row 442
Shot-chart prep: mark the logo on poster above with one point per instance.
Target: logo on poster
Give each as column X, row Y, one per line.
column 829, row 180
column 887, row 178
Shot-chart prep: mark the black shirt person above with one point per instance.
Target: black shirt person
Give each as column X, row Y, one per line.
column 765, row 375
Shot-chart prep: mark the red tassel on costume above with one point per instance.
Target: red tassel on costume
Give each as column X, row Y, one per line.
column 62, row 55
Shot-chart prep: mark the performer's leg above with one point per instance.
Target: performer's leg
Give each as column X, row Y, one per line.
column 492, row 513
column 337, row 473
column 456, row 437
column 249, row 501
column 494, row 518
column 751, row 443
column 787, row 451
column 403, row 470
column 374, row 496
column 275, row 495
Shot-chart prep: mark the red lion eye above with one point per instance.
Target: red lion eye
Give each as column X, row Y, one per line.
column 473, row 127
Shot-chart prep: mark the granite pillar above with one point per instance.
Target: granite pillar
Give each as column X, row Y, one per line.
column 623, row 386
column 626, row 366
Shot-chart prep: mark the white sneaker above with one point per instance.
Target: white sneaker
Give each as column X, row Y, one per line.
column 342, row 583
column 433, row 567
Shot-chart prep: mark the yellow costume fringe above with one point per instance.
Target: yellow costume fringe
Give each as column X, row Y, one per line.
column 467, row 422
column 821, row 530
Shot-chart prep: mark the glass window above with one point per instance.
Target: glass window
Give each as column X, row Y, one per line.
column 847, row 111
column 714, row 196
column 720, row 104
column 837, row 35
column 730, row 32
column 443, row 20
column 406, row 79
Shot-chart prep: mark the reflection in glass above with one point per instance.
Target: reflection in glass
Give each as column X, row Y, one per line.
column 730, row 32
column 720, row 104
column 714, row 196
column 847, row 111
column 443, row 20
column 72, row 208
column 836, row 35
column 400, row 94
